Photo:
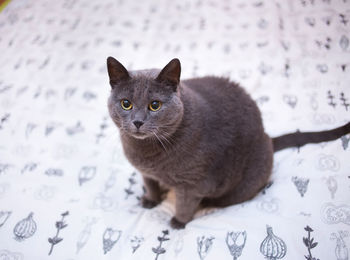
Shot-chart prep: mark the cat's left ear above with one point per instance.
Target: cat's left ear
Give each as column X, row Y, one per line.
column 170, row 74
column 116, row 71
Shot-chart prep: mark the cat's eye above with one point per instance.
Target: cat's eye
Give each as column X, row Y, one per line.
column 126, row 104
column 154, row 105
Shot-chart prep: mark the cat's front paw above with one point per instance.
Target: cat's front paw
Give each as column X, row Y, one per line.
column 174, row 223
column 147, row 203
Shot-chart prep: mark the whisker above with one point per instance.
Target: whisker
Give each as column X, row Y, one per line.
column 160, row 141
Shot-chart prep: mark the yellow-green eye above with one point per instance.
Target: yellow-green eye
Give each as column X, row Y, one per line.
column 154, row 105
column 126, row 104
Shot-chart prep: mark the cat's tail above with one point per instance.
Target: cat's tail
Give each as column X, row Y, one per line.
column 299, row 139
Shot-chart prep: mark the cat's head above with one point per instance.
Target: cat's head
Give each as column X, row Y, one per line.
column 145, row 104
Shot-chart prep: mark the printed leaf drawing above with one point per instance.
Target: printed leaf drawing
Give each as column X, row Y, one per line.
column 59, row 226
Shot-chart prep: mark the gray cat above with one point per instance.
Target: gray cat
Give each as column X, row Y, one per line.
column 202, row 137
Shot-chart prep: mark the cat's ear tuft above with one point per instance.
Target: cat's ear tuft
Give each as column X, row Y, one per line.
column 116, row 71
column 170, row 74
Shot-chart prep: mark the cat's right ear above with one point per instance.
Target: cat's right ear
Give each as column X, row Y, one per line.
column 116, row 71
column 170, row 74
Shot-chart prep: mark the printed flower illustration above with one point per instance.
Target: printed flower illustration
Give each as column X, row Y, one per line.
column 236, row 242
column 4, row 215
column 309, row 243
column 59, row 226
column 341, row 250
column 110, row 238
column 204, row 245
column 160, row 250
column 136, row 243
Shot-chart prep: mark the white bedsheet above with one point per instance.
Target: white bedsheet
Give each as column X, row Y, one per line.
column 66, row 189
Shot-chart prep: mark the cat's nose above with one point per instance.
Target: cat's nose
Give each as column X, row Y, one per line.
column 138, row 124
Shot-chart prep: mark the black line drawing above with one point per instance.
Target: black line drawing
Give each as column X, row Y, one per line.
column 29, row 129
column 4, row 119
column 204, row 245
column 327, row 20
column 38, row 90
column 45, row 193
column 25, row 228
column 4, row 167
column 332, row 185
column 267, row 186
column 305, row 214
column 323, row 68
column 301, row 184
column 50, row 127
column 29, row 167
column 344, row 101
column 268, row 205
column 110, row 238
column 136, row 242
column 264, row 68
column 262, row 23
column 159, row 249
column 50, row 93
column 69, row 92
column 319, row 119
column 331, row 98
column 103, row 202
column 4, row 215
column 310, row 21
column 326, row 44
column 103, row 126
column 54, row 172
column 59, row 226
column 161, row 217
column 328, row 163
column 345, row 141
column 290, row 100
column 111, row 180
column 309, row 243
column 313, row 101
column 132, row 182
column 262, row 100
column 343, row 19
column 179, row 242
column 273, row 247
column 285, row 45
column 88, row 96
column 344, row 43
column 86, row 174
column 343, row 67
column 5, row 88
column 341, row 251
column 8, row 255
column 21, row 90
column 77, row 128
column 286, row 72
column 334, row 214
column 85, row 234
column 235, row 242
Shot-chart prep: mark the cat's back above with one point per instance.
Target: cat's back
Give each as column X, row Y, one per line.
column 223, row 115
column 223, row 99
column 218, row 90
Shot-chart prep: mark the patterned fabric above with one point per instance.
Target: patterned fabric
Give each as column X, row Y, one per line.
column 66, row 190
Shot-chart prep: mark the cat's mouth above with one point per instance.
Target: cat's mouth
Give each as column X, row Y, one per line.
column 139, row 135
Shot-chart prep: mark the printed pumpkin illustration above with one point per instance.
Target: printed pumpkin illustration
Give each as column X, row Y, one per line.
column 25, row 228
column 273, row 247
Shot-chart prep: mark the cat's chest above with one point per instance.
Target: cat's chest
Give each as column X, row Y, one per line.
column 158, row 164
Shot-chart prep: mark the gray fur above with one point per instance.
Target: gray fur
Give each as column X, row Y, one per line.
column 207, row 141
